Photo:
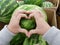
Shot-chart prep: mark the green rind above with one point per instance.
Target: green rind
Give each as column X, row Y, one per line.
column 7, row 8
column 47, row 4
column 28, row 24
column 34, row 2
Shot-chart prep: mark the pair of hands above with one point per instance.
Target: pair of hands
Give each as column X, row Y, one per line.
column 42, row 25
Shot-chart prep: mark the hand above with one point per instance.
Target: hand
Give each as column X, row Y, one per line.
column 14, row 26
column 42, row 25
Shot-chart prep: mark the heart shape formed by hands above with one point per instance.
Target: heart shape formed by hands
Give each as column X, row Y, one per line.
column 28, row 24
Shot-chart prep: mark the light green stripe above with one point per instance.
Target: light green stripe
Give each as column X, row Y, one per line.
column 3, row 1
column 0, row 6
column 4, row 5
column 10, row 3
column 10, row 8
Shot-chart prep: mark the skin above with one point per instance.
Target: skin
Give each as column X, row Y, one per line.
column 42, row 25
column 14, row 26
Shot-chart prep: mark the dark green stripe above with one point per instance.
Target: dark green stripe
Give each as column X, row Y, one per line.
column 0, row 2
column 0, row 10
column 8, row 5
column 0, row 6
column 9, row 9
column 5, row 3
column 5, row 19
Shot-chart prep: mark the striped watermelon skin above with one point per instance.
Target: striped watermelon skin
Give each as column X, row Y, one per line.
column 0, row 7
column 47, row 4
column 7, row 8
column 34, row 2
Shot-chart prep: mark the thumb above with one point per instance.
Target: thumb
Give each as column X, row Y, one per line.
column 24, row 31
column 31, row 15
column 32, row 32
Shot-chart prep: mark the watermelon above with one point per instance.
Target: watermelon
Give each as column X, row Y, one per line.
column 7, row 8
column 18, row 39
column 34, row 40
column 30, row 24
column 0, row 7
column 47, row 4
column 34, row 2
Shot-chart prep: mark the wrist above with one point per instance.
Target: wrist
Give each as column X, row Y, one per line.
column 6, row 30
column 46, row 29
column 11, row 29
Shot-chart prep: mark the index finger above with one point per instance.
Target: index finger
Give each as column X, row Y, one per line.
column 17, row 12
column 20, row 16
column 35, row 15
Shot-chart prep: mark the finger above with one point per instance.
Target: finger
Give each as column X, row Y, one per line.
column 20, row 16
column 35, row 16
column 28, row 12
column 16, row 12
column 21, row 11
column 39, row 13
column 31, row 15
column 24, row 31
column 32, row 32
column 24, row 11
